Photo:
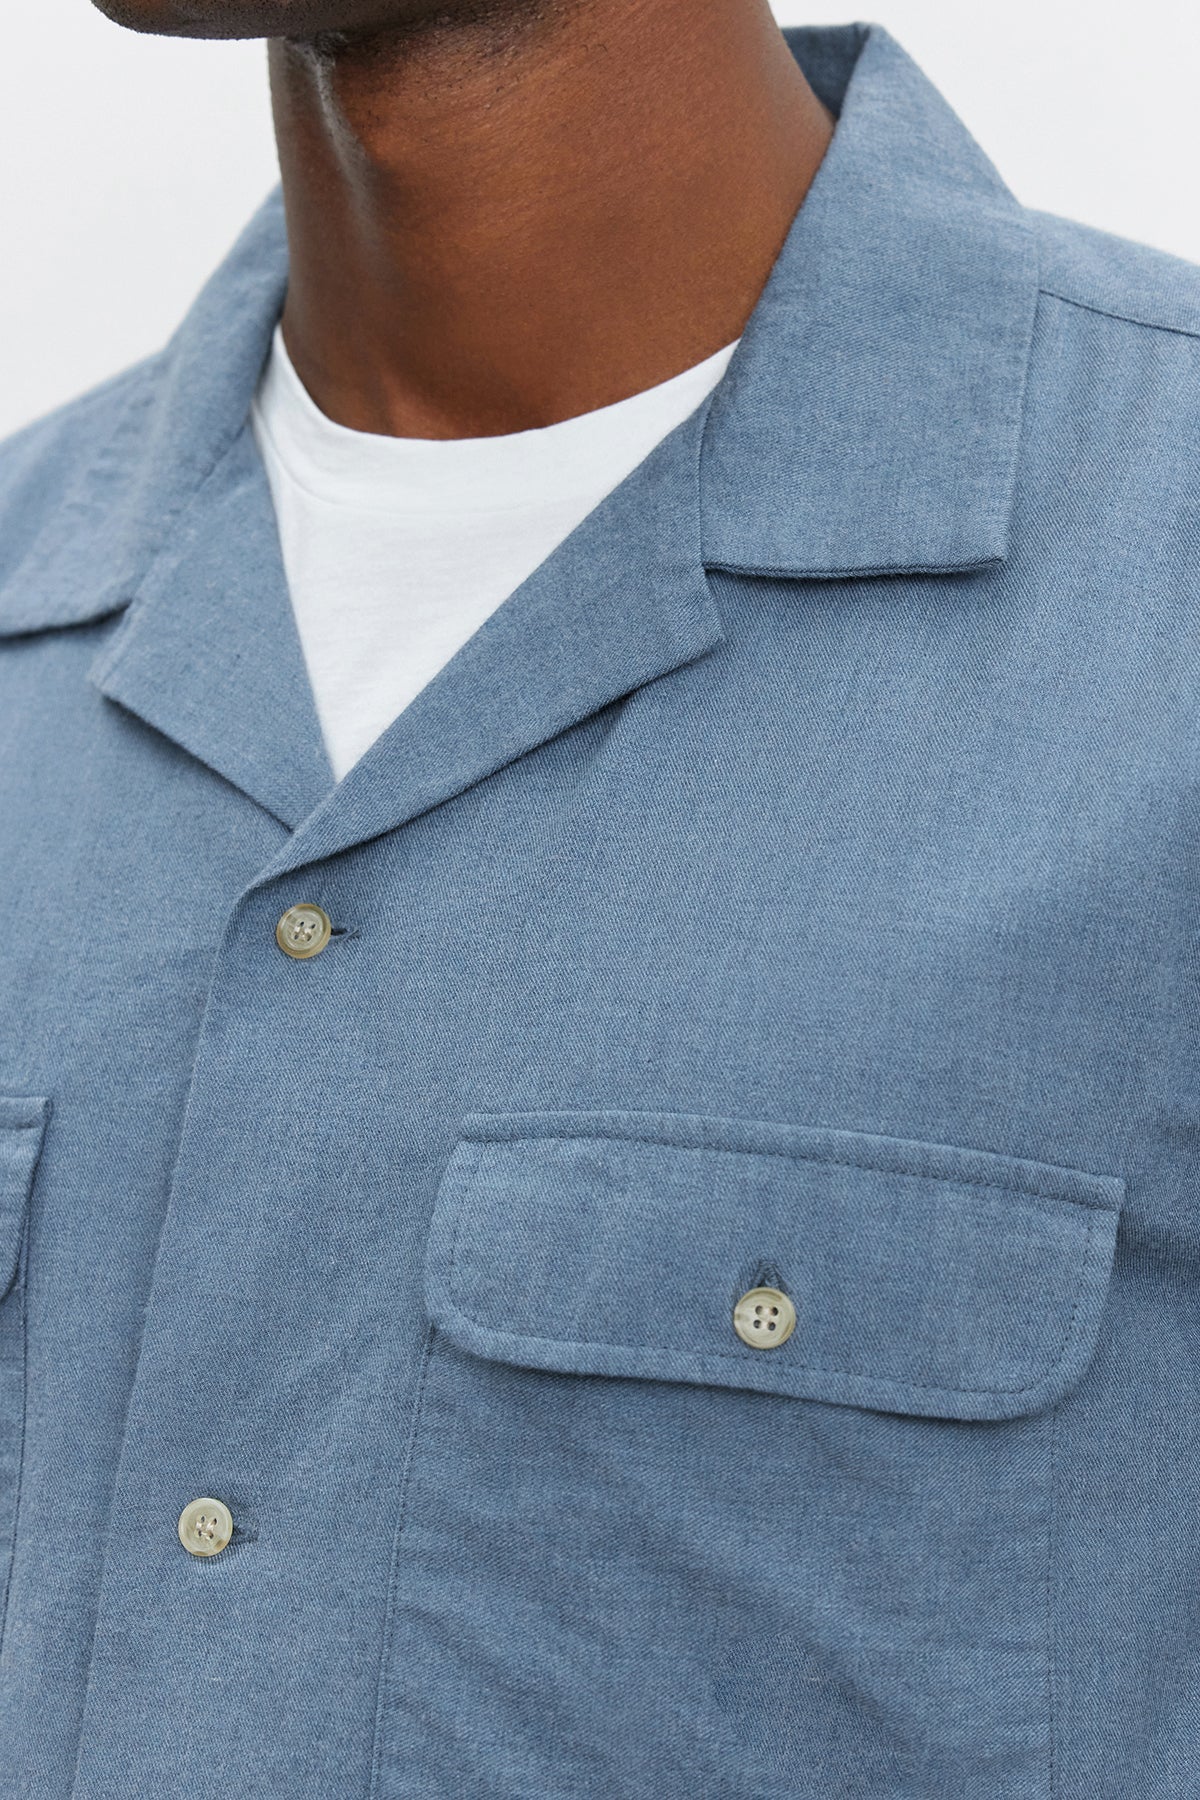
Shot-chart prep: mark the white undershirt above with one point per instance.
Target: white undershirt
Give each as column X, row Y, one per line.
column 397, row 549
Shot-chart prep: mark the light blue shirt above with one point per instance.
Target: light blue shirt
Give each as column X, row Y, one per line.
column 794, row 885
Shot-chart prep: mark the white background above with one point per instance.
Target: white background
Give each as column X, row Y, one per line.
column 128, row 164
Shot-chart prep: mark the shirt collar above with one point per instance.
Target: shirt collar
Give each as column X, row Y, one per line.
column 868, row 421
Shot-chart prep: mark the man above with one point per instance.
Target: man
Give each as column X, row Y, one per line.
column 581, row 1258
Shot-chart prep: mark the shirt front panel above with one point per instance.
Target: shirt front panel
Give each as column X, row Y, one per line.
column 752, row 930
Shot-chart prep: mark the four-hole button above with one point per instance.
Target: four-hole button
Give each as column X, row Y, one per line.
column 304, row 930
column 205, row 1527
column 764, row 1318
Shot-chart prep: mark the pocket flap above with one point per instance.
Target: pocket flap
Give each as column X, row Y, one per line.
column 22, row 1126
column 927, row 1279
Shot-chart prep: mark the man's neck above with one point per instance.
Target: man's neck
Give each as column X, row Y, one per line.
column 499, row 223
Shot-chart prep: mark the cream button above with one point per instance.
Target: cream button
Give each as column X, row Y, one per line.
column 764, row 1318
column 205, row 1526
column 304, row 930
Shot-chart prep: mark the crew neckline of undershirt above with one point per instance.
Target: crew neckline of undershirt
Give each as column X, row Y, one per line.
column 537, row 468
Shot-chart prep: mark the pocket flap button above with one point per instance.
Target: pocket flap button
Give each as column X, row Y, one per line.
column 764, row 1318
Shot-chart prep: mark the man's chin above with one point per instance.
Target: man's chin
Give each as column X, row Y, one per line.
column 253, row 18
column 190, row 18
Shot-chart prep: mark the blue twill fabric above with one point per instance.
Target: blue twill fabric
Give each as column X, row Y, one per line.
column 796, row 883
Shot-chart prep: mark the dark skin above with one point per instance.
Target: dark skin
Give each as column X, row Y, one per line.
column 504, row 213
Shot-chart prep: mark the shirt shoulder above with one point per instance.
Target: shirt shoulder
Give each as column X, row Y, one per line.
column 64, row 479
column 1113, row 391
column 1116, row 278
column 43, row 460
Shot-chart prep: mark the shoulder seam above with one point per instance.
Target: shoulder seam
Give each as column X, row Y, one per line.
column 1125, row 318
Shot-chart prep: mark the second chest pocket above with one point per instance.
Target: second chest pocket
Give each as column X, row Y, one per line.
column 22, row 1126
column 661, row 1559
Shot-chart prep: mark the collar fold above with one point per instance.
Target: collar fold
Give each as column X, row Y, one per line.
column 210, row 655
column 867, row 424
column 870, row 418
column 114, row 474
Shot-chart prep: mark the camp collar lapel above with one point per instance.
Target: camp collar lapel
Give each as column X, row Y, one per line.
column 169, row 521
column 868, row 423
column 622, row 601
column 869, row 420
column 209, row 653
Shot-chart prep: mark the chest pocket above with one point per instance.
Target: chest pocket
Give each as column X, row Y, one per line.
column 22, row 1126
column 925, row 1280
column 816, row 1568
